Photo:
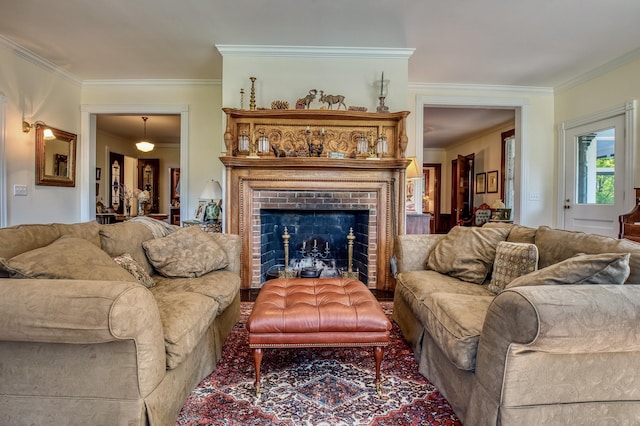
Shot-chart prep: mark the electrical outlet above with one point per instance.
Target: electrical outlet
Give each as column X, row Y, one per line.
column 20, row 190
column 534, row 196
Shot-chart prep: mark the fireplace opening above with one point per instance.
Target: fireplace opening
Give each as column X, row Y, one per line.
column 318, row 244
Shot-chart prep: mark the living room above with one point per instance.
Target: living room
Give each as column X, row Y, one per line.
column 37, row 84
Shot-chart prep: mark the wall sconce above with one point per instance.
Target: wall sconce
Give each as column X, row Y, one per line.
column 383, row 146
column 47, row 132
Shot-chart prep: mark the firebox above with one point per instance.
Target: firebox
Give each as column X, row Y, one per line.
column 318, row 245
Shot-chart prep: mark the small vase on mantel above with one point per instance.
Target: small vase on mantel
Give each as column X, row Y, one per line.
column 140, row 208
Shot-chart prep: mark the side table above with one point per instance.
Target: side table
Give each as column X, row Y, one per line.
column 212, row 227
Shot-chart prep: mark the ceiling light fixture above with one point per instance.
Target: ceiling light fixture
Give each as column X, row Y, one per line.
column 144, row 145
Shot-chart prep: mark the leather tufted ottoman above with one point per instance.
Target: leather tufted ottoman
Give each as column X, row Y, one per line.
column 311, row 312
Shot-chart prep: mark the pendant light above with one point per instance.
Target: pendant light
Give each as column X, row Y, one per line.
column 144, row 145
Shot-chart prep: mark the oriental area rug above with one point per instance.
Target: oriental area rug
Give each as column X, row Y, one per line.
column 319, row 386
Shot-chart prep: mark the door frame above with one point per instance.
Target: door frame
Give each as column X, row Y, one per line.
column 628, row 109
column 521, row 108
column 87, row 149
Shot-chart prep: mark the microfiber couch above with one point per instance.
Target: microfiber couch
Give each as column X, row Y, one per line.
column 111, row 324
column 523, row 326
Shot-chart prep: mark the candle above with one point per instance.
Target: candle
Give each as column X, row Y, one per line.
column 304, row 245
column 326, row 247
column 381, row 83
column 315, row 243
column 323, row 130
column 308, row 129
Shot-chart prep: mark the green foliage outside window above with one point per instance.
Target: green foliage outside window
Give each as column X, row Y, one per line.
column 605, row 181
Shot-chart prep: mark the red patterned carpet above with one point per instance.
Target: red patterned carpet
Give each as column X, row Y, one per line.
column 315, row 387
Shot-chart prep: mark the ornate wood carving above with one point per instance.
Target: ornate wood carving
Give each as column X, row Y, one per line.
column 315, row 133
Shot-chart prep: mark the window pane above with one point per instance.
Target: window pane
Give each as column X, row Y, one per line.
column 596, row 167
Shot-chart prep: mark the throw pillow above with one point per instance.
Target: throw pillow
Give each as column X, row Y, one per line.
column 67, row 258
column 512, row 261
column 128, row 263
column 603, row 268
column 187, row 252
column 467, row 253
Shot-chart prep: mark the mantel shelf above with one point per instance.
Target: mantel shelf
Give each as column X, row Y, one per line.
column 315, row 163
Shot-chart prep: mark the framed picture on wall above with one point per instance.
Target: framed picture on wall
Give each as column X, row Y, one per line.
column 481, row 183
column 492, row 181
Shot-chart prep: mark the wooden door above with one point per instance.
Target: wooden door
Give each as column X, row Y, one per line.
column 461, row 188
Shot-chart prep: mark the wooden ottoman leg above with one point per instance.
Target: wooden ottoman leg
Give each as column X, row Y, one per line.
column 257, row 361
column 378, row 353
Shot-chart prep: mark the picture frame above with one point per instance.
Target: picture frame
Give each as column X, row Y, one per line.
column 200, row 210
column 481, row 183
column 492, row 181
column 98, row 173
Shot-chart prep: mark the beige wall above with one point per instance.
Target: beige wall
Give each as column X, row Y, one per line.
column 204, row 128
column 609, row 90
column 35, row 92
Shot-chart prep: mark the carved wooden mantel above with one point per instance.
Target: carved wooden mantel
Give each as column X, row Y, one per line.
column 383, row 179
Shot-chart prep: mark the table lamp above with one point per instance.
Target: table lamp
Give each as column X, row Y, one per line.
column 213, row 193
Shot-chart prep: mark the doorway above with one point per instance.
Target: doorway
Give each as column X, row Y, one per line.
column 89, row 115
column 594, row 176
column 462, row 190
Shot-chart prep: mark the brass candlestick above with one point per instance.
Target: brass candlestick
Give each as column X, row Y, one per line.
column 242, row 98
column 252, row 96
column 286, row 273
column 350, row 273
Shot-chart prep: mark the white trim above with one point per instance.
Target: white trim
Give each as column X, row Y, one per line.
column 315, row 51
column 38, row 60
column 599, row 71
column 3, row 161
column 521, row 107
column 87, row 147
column 481, row 88
column 629, row 111
column 153, row 82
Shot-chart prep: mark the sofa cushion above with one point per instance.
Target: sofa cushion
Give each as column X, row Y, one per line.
column 185, row 318
column 67, row 258
column 512, row 261
column 556, row 245
column 467, row 253
column 129, row 264
column 455, row 322
column 126, row 237
column 22, row 238
column 222, row 286
column 603, row 268
column 188, row 252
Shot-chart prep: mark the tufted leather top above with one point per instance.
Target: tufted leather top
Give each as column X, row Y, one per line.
column 317, row 312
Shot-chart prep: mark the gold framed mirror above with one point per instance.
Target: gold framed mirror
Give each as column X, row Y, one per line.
column 55, row 157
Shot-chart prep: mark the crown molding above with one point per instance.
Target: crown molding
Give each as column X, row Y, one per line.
column 315, row 51
column 153, row 82
column 480, row 88
column 599, row 71
column 38, row 60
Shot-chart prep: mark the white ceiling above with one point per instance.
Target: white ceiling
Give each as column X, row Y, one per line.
column 541, row 43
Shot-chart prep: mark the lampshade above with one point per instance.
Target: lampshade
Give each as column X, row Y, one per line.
column 144, row 145
column 48, row 135
column 413, row 171
column 212, row 191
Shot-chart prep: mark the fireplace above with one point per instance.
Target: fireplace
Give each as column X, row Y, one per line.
column 370, row 194
column 317, row 239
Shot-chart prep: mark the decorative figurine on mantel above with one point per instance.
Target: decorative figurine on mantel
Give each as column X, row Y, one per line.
column 332, row 100
column 383, row 94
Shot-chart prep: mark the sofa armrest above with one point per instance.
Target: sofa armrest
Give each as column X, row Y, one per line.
column 539, row 341
column 411, row 251
column 85, row 312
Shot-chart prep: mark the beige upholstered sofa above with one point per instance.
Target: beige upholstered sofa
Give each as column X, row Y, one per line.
column 84, row 341
column 538, row 352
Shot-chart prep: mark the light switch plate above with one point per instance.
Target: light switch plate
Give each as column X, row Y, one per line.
column 20, row 190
